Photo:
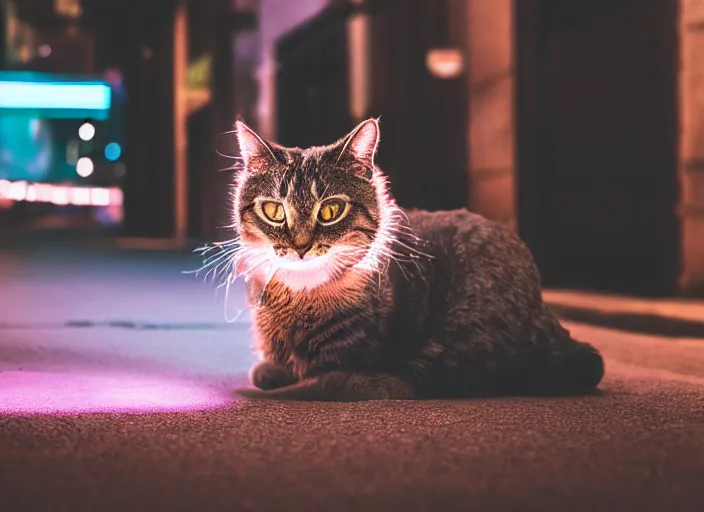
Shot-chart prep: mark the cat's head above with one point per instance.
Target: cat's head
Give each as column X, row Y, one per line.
column 310, row 215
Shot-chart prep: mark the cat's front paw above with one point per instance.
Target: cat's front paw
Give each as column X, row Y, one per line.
column 268, row 375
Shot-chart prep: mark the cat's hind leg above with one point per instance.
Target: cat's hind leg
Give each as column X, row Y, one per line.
column 339, row 387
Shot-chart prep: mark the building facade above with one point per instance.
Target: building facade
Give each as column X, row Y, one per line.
column 586, row 135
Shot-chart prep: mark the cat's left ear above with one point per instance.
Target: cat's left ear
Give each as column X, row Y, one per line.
column 362, row 142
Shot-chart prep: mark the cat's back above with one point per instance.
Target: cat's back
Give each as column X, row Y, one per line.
column 445, row 225
column 466, row 237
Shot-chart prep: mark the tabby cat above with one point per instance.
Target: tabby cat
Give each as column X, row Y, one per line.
column 353, row 298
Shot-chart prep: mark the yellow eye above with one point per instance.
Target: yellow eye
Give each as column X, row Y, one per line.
column 331, row 211
column 273, row 211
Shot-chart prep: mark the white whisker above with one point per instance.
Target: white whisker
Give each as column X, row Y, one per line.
column 230, row 280
column 229, row 156
column 392, row 242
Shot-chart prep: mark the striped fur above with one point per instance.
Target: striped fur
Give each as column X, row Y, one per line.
column 387, row 304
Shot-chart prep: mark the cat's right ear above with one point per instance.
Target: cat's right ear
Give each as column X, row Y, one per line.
column 252, row 146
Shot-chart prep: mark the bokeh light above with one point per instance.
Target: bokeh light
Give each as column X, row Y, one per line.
column 86, row 131
column 84, row 167
column 113, row 151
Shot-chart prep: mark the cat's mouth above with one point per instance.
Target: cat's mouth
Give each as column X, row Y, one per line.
column 307, row 273
column 313, row 270
column 296, row 264
column 299, row 273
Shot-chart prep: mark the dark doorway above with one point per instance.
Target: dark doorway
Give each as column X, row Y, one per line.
column 313, row 80
column 423, row 118
column 597, row 123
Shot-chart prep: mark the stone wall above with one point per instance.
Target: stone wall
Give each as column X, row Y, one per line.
column 492, row 165
column 691, row 170
column 492, row 130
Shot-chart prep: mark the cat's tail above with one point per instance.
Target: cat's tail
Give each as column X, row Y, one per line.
column 567, row 367
column 577, row 367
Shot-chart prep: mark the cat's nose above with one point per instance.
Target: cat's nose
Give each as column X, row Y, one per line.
column 302, row 250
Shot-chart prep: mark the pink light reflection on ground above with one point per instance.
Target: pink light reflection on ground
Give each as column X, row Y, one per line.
column 37, row 392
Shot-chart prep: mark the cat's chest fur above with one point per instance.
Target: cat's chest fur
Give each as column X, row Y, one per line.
column 284, row 320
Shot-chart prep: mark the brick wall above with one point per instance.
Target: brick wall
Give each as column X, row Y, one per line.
column 692, row 144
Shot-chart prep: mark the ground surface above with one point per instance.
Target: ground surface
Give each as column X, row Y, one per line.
column 115, row 379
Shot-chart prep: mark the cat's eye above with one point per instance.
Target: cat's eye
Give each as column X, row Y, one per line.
column 273, row 211
column 330, row 211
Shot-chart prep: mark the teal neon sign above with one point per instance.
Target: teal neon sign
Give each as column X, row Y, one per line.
column 31, row 95
column 51, row 94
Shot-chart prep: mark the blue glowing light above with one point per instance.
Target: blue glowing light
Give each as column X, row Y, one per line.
column 54, row 95
column 113, row 151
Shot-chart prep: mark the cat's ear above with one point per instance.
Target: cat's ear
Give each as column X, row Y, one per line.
column 363, row 141
column 252, row 146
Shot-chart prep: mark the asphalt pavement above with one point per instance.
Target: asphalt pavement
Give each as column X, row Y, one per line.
column 116, row 378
